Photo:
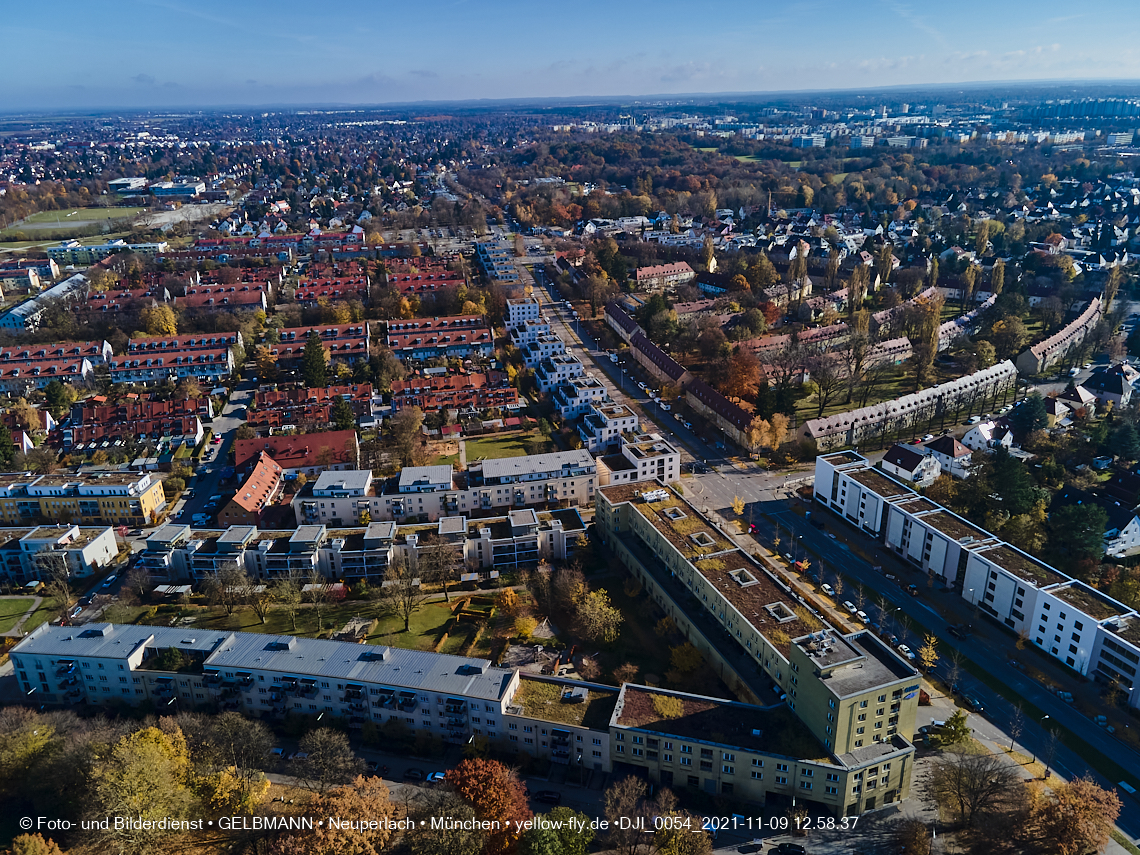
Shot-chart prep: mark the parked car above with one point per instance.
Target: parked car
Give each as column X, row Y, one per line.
column 666, row 407
column 790, row 849
column 973, row 420
column 973, row 704
column 912, row 590
column 961, row 632
column 277, row 753
column 905, row 652
column 435, row 778
column 928, row 437
column 862, row 615
column 298, row 755
column 414, row 775
column 850, row 606
column 550, row 797
column 827, row 589
column 110, row 580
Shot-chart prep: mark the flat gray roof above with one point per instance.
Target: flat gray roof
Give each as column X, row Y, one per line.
column 115, row 641
column 874, row 665
column 351, row 479
column 453, row 525
column 418, row 670
column 506, row 467
column 410, row 669
column 410, row 476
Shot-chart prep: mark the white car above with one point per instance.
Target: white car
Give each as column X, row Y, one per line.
column 905, row 652
column 850, row 606
column 827, row 589
column 677, row 416
column 640, row 385
column 928, row 437
column 973, row 420
column 862, row 615
column 666, row 407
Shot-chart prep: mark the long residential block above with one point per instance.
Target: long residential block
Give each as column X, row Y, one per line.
column 1076, row 624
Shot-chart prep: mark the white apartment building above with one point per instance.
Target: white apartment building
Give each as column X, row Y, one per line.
column 556, row 370
column 603, row 426
column 529, row 330
column 86, row 549
column 453, row 698
column 426, row 493
column 543, row 347
column 521, row 311
column 1073, row 622
column 643, row 457
column 576, row 398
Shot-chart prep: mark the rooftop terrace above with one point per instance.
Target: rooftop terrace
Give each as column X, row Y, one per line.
column 1024, row 567
column 882, row 485
column 1092, row 603
column 543, row 700
column 773, row 730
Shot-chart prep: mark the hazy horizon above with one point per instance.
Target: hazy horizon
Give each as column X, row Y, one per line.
column 162, row 54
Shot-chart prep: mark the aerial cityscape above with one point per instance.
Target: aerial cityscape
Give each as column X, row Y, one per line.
column 600, row 448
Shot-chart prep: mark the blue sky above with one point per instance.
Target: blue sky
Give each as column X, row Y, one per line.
column 170, row 53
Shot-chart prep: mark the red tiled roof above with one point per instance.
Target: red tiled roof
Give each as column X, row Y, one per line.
column 298, row 452
column 260, row 487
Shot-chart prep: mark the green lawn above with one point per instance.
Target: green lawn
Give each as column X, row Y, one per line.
column 499, row 445
column 43, row 614
column 77, row 217
column 11, row 610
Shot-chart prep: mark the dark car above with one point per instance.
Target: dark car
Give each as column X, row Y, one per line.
column 414, row 775
column 972, row 703
column 790, row 849
column 912, row 590
column 550, row 797
column 750, row 848
column 960, row 632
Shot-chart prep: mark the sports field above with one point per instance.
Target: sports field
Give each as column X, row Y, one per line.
column 76, row 218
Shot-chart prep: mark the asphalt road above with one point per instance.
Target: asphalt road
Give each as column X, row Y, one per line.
column 621, row 378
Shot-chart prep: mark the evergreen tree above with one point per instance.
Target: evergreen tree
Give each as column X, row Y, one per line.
column 7, row 446
column 343, row 418
column 314, row 364
column 1029, row 416
column 1125, row 442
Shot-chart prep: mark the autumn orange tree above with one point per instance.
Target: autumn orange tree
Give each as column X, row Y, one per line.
column 741, row 376
column 365, row 798
column 496, row 793
column 1078, row 817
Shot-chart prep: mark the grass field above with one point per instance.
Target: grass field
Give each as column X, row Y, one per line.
column 75, row 217
column 11, row 610
column 499, row 445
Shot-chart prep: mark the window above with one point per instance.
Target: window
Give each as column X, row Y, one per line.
column 685, row 749
column 780, row 779
column 729, row 757
column 667, row 758
column 807, row 773
column 758, row 763
column 728, row 770
column 757, row 776
column 831, row 791
column 685, row 761
column 805, row 785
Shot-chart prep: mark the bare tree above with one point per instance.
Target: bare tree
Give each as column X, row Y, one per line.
column 287, row 591
column 970, row 784
column 401, row 593
column 228, row 587
column 1016, row 725
column 55, row 573
column 436, row 561
column 318, row 591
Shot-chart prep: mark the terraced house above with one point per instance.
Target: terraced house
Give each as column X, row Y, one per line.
column 849, row 702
